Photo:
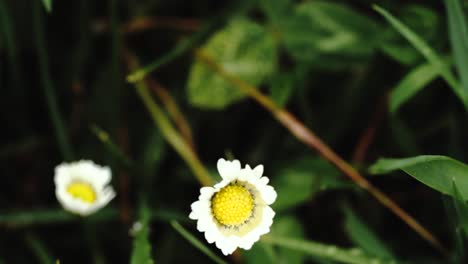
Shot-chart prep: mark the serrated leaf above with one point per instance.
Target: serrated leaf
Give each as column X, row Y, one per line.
column 328, row 34
column 362, row 236
column 437, row 172
column 414, row 81
column 298, row 180
column 458, row 30
column 141, row 253
column 244, row 49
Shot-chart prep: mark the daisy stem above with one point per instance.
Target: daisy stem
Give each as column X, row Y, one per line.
column 196, row 243
column 167, row 129
column 47, row 84
column 308, row 137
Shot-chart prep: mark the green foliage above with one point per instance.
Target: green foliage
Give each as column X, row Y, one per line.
column 327, row 34
column 331, row 65
column 413, row 82
column 298, row 180
column 47, row 5
column 141, row 244
column 420, row 19
column 287, row 226
column 196, row 243
column 351, row 256
column 364, row 237
column 437, row 172
column 431, row 56
column 458, row 30
column 461, row 208
column 245, row 49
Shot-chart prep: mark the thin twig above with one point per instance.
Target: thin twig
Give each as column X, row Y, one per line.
column 310, row 139
column 142, row 24
column 368, row 136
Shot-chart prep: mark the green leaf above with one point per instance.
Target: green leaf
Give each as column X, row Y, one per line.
column 196, row 243
column 245, row 50
column 298, row 180
column 413, row 82
column 364, row 237
column 288, row 226
column 461, row 208
column 328, row 34
column 47, row 5
column 325, row 251
column 428, row 53
column 458, row 30
column 437, row 172
column 281, row 88
column 420, row 19
column 141, row 245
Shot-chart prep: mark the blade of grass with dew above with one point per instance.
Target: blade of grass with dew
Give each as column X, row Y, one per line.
column 47, row 84
column 237, row 8
column 458, row 32
column 364, row 237
column 426, row 51
column 413, row 82
column 325, row 251
column 39, row 249
column 141, row 253
column 196, row 243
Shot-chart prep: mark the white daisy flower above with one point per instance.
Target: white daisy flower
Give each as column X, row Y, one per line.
column 235, row 212
column 82, row 187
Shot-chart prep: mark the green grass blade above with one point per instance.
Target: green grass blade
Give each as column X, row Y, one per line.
column 141, row 253
column 458, row 32
column 364, row 237
column 54, row 112
column 330, row 252
column 39, row 249
column 428, row 53
column 412, row 83
column 104, row 137
column 47, row 5
column 196, row 243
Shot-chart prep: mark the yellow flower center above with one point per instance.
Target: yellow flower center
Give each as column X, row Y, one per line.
column 232, row 205
column 82, row 191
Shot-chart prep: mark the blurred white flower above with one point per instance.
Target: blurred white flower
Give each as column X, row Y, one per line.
column 235, row 212
column 82, row 187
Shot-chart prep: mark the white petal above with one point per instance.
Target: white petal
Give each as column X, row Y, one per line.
column 228, row 169
column 268, row 194
column 258, row 171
